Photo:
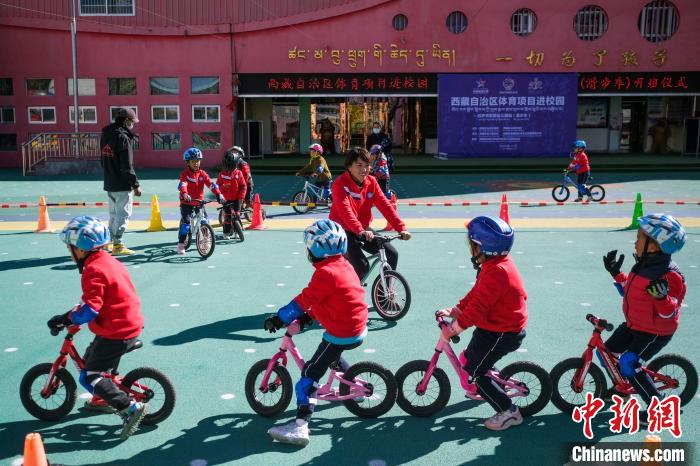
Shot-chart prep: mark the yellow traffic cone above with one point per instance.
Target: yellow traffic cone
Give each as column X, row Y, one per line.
column 156, row 221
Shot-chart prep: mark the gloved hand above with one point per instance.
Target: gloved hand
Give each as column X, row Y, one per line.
column 273, row 323
column 186, row 197
column 451, row 330
column 305, row 321
column 59, row 321
column 658, row 289
column 612, row 264
column 405, row 235
column 221, row 199
column 367, row 235
column 448, row 312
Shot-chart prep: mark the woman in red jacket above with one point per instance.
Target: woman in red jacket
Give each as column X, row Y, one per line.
column 496, row 307
column 354, row 193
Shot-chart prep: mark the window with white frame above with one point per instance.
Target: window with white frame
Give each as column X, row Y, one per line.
column 114, row 109
column 86, row 86
column 165, row 113
column 86, row 114
column 590, row 22
column 658, row 21
column 41, row 115
column 523, row 22
column 7, row 114
column 107, row 7
column 203, row 113
column 40, row 86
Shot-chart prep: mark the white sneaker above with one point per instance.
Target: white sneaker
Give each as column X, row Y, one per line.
column 504, row 420
column 181, row 248
column 291, row 433
column 226, row 237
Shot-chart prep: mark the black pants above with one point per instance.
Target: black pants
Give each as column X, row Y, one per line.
column 384, row 185
column 359, row 261
column 482, row 353
column 103, row 355
column 646, row 346
column 326, row 355
column 581, row 182
column 231, row 211
column 187, row 212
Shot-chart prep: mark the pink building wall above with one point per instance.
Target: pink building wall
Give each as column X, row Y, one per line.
column 193, row 38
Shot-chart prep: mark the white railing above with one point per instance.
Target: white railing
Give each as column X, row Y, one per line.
column 59, row 146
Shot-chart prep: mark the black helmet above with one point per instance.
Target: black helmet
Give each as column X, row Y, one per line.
column 229, row 160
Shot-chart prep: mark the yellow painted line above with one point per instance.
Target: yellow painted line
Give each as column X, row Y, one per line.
column 412, row 224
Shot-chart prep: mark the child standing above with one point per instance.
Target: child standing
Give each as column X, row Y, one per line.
column 496, row 307
column 191, row 187
column 336, row 299
column 380, row 168
column 583, row 169
column 112, row 310
column 318, row 169
column 652, row 294
column 233, row 188
column 244, row 167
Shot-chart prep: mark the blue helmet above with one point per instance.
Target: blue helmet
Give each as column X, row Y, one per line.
column 84, row 232
column 192, row 154
column 375, row 149
column 325, row 238
column 494, row 235
column 665, row 230
column 579, row 143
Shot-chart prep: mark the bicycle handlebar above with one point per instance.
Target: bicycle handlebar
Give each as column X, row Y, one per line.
column 600, row 323
column 441, row 323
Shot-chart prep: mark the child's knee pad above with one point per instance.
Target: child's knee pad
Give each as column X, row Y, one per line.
column 184, row 229
column 629, row 362
column 304, row 387
column 89, row 379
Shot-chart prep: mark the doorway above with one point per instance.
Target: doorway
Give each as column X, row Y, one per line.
column 633, row 130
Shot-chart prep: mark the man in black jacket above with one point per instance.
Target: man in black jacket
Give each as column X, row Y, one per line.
column 378, row 136
column 120, row 182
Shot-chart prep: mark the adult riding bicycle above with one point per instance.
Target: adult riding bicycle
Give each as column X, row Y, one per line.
column 48, row 391
column 572, row 378
column 311, row 193
column 561, row 192
column 366, row 389
column 424, row 388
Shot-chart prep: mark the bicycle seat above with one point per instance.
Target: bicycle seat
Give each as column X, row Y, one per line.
column 136, row 345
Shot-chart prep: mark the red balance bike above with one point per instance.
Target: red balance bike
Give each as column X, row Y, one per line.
column 48, row 391
column 572, row 378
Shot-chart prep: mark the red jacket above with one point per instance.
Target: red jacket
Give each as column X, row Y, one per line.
column 352, row 204
column 497, row 300
column 244, row 167
column 335, row 298
column 580, row 163
column 192, row 183
column 232, row 184
column 107, row 289
column 645, row 313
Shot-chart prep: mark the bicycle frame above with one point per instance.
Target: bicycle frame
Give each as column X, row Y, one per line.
column 314, row 192
column 512, row 388
column 610, row 362
column 377, row 259
column 324, row 392
column 68, row 350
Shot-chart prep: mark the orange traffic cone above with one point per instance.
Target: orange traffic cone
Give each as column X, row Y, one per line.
column 34, row 454
column 395, row 203
column 504, row 210
column 44, row 223
column 258, row 223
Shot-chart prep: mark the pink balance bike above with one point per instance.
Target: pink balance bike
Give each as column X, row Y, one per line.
column 572, row 378
column 424, row 388
column 48, row 391
column 367, row 389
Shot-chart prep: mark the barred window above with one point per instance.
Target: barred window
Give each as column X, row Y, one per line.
column 107, row 7
column 456, row 22
column 590, row 22
column 399, row 22
column 523, row 22
column 658, row 20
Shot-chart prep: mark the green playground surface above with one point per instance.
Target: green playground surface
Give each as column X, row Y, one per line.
column 204, row 324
